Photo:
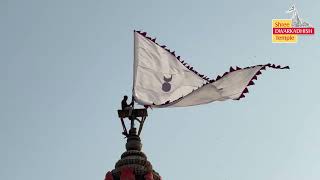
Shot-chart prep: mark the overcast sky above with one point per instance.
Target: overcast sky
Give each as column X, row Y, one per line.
column 65, row 65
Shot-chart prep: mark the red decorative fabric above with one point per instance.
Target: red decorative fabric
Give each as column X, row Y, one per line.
column 108, row 176
column 148, row 176
column 127, row 174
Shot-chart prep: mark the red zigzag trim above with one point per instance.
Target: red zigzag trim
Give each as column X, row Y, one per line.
column 245, row 90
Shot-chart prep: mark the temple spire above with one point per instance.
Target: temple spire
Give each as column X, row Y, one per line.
column 133, row 164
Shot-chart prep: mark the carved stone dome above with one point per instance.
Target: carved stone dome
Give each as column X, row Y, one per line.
column 133, row 164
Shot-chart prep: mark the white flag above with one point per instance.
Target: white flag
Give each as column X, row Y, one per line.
column 158, row 76
column 162, row 80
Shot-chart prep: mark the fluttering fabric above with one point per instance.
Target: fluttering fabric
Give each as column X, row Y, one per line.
column 162, row 79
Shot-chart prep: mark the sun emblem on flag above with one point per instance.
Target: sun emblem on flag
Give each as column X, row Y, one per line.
column 166, row 86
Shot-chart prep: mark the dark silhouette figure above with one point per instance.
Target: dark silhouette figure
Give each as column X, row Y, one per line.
column 125, row 105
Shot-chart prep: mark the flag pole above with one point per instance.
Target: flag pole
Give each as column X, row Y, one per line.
column 132, row 101
column 134, row 55
column 132, row 98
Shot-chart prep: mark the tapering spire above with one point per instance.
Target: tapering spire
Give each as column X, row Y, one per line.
column 133, row 164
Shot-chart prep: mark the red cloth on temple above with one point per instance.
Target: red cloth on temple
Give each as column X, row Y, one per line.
column 108, row 176
column 149, row 176
column 127, row 174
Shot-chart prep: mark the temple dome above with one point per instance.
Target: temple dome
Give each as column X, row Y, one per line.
column 133, row 164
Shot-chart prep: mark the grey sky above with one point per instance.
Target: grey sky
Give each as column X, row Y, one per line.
column 65, row 65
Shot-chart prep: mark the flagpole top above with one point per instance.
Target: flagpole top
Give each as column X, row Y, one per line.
column 133, row 163
column 134, row 115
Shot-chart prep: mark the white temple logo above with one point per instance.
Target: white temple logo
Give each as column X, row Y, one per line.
column 296, row 20
column 166, row 86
